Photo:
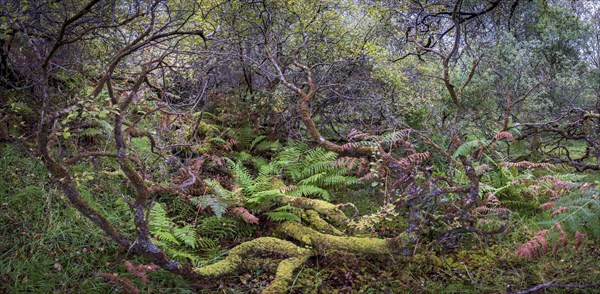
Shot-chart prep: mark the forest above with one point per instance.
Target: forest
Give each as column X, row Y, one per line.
column 299, row 146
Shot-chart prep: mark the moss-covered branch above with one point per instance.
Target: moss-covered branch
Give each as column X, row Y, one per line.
column 237, row 254
column 316, row 222
column 324, row 241
column 284, row 275
column 331, row 211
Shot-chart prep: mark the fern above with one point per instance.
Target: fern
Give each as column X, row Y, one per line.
column 575, row 218
column 468, row 147
column 256, row 140
column 241, row 175
column 308, row 190
column 91, row 132
column 581, row 214
column 394, row 137
column 282, row 216
column 186, row 235
column 264, row 196
column 284, row 213
column 216, row 228
column 176, row 240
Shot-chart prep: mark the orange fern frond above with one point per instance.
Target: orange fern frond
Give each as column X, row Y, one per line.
column 527, row 164
column 357, row 135
column 559, row 211
column 578, row 239
column 244, row 215
column 563, row 240
column 547, row 205
column 504, row 135
column 368, row 177
column 285, row 188
column 535, row 247
column 140, row 270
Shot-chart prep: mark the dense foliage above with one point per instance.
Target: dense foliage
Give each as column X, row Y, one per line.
column 299, row 146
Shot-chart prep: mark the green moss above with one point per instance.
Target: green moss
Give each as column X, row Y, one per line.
column 285, row 272
column 324, row 241
column 316, row 222
column 236, row 255
column 325, row 208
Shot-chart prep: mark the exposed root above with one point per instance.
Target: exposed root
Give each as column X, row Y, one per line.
column 285, row 272
column 236, row 256
column 317, row 223
column 330, row 211
column 324, row 241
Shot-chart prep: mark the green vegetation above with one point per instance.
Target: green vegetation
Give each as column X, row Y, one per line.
column 303, row 146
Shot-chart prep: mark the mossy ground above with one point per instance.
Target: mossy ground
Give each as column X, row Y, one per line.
column 47, row 247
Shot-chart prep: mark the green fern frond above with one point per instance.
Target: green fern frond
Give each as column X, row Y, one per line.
column 582, row 213
column 308, row 190
column 159, row 221
column 256, row 140
column 268, row 146
column 166, row 237
column 466, row 148
column 216, row 204
column 241, row 175
column 90, row 132
column 282, row 216
column 570, row 177
column 264, row 196
column 393, row 137
column 224, row 228
column 187, row 235
column 217, row 140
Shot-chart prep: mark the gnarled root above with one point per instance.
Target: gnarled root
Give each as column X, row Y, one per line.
column 316, row 222
column 330, row 211
column 324, row 241
column 236, row 255
column 297, row 256
column 284, row 275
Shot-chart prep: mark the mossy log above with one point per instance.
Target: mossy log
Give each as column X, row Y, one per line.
column 236, row 255
column 321, row 237
column 329, row 210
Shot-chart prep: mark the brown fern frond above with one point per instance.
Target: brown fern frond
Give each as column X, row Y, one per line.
column 491, row 207
column 492, row 199
column 351, row 146
column 547, row 205
column 578, row 239
column 563, row 240
column 140, row 270
column 244, row 215
column 482, row 209
column 357, row 135
column 368, row 177
column 285, row 188
column 559, row 211
column 408, row 162
column 528, row 165
column 351, row 163
column 535, row 247
column 481, row 169
column 232, row 143
column 417, row 158
column 504, row 135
